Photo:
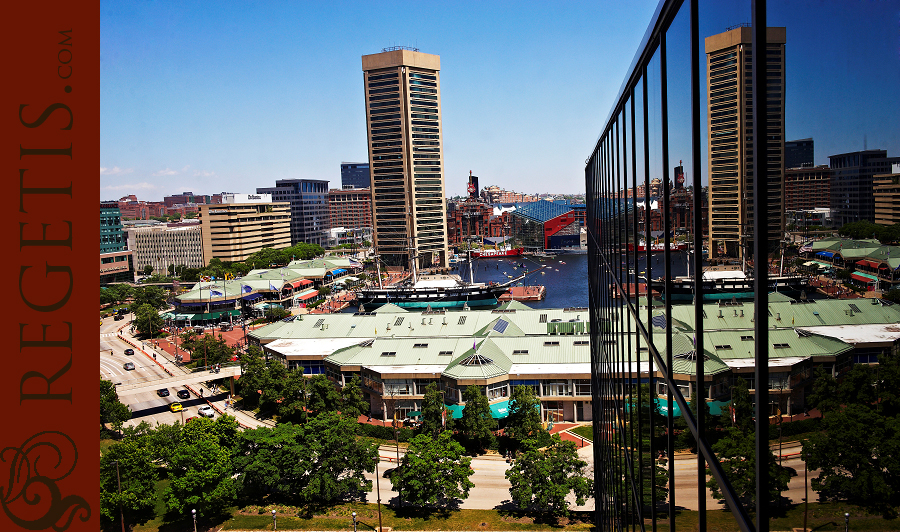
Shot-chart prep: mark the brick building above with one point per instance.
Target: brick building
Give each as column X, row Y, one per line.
column 807, row 188
column 350, row 208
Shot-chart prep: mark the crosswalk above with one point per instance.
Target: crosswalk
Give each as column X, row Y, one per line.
column 107, row 335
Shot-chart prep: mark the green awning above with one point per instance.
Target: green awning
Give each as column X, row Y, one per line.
column 500, row 410
column 455, row 410
column 414, row 413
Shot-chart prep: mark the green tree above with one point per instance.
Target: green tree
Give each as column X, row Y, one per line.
column 685, row 438
column 273, row 387
column 112, row 410
column 742, row 406
column 524, row 421
column 253, row 375
column 137, row 474
column 477, row 423
column 353, row 402
column 276, row 313
column 858, row 448
column 150, row 295
column 115, row 293
column 324, row 290
column 436, row 418
column 201, row 469
column 322, row 394
column 293, row 402
column 148, row 269
column 736, row 451
column 208, row 349
column 544, row 478
column 434, row 471
column 319, row 462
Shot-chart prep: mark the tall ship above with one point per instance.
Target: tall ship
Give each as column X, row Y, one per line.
column 435, row 291
column 727, row 284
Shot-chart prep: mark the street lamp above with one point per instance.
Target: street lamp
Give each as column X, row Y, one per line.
column 354, row 521
column 846, row 522
column 194, row 513
column 274, row 524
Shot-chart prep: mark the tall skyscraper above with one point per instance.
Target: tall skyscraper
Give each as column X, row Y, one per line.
column 730, row 122
column 403, row 114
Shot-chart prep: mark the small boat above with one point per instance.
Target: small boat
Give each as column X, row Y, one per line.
column 542, row 273
column 561, row 262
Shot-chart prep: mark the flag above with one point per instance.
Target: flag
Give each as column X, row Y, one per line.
column 444, row 417
column 215, row 292
column 246, row 289
column 792, row 319
column 473, row 345
column 272, row 286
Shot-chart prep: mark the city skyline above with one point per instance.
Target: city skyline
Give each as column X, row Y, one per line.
column 236, row 99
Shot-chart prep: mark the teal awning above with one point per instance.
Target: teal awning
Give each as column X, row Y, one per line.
column 414, row 413
column 500, row 410
column 455, row 410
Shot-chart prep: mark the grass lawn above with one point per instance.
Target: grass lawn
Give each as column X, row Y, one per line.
column 339, row 518
column 585, row 431
column 822, row 517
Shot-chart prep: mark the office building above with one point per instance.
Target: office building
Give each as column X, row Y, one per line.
column 799, row 153
column 541, row 225
column 730, row 112
column 403, row 115
column 807, row 188
column 887, row 199
column 355, row 175
column 308, row 199
column 242, row 225
column 350, row 208
column 852, row 192
column 116, row 264
column 160, row 245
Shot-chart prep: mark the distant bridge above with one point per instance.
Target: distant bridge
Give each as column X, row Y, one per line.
column 148, row 384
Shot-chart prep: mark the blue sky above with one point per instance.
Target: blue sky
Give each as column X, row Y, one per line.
column 230, row 96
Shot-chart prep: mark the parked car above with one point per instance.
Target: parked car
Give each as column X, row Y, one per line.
column 190, row 419
column 176, row 407
column 183, row 394
column 128, row 366
column 129, row 352
column 162, row 392
column 206, row 411
column 118, row 317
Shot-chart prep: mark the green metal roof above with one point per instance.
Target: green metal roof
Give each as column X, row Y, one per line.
column 787, row 314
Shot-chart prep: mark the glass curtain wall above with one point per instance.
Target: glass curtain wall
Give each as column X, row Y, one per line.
column 655, row 126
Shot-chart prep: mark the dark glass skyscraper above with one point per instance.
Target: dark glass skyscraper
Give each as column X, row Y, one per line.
column 310, row 219
column 355, row 175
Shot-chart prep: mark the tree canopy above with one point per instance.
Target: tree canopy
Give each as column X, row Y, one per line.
column 137, row 474
column 858, row 448
column 147, row 320
column 477, row 423
column 886, row 234
column 544, row 478
column 200, row 467
column 112, row 410
column 434, row 471
column 524, row 420
column 353, row 403
column 435, row 416
column 319, row 462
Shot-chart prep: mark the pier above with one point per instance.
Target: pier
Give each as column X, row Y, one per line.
column 524, row 293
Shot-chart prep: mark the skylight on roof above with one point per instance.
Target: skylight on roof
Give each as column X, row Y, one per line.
column 476, row 360
column 501, row 326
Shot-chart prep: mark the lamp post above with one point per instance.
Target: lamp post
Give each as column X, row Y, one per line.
column 119, row 482
column 846, row 522
column 354, row 521
column 274, row 523
column 194, row 513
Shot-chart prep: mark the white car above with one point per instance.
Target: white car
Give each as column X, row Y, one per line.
column 206, row 411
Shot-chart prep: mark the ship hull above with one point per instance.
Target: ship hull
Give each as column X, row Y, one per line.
column 497, row 253
column 434, row 297
column 725, row 289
